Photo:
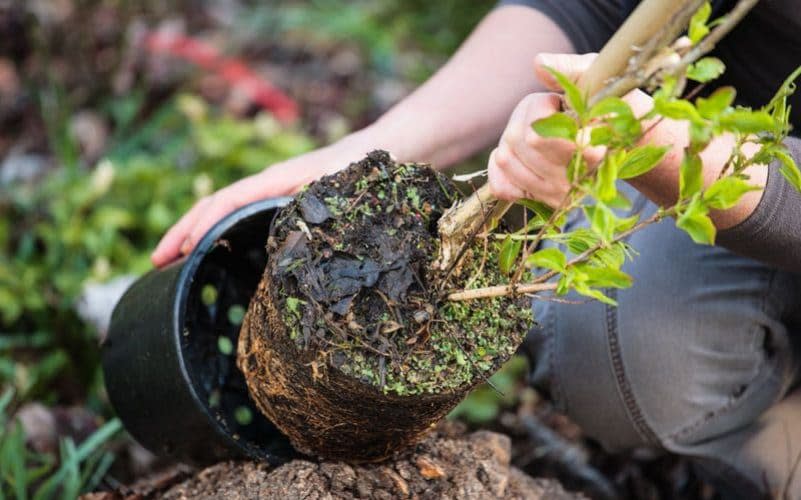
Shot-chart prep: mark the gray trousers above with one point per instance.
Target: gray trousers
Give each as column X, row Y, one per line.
column 701, row 357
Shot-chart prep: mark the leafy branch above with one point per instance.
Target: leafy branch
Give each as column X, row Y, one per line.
column 589, row 259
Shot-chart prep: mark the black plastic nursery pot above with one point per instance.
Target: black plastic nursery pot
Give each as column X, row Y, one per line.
column 170, row 356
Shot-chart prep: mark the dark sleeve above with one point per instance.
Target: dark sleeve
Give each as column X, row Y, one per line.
column 772, row 233
column 587, row 23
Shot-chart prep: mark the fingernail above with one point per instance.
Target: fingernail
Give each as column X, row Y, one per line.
column 186, row 246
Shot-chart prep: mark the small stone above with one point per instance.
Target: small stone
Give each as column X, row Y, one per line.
column 429, row 469
column 421, row 317
column 39, row 425
column 400, row 484
column 313, row 210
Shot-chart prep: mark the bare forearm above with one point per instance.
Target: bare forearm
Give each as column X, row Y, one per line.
column 464, row 106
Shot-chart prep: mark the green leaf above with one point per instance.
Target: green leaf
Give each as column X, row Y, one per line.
column 607, row 175
column 580, row 240
column 606, row 277
column 575, row 99
column 667, row 90
column 700, row 136
column 641, row 160
column 691, row 178
column 778, row 104
column 677, row 109
column 542, row 210
column 557, row 125
column 747, row 121
column 577, row 167
column 619, row 202
column 601, row 135
column 705, row 69
column 548, row 258
column 602, row 220
column 717, row 102
column 583, row 289
column 695, row 222
column 726, row 192
column 698, row 28
column 614, row 106
column 789, row 169
column 626, row 223
column 510, row 249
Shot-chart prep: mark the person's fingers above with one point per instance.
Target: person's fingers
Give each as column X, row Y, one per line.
column 527, row 179
column 552, row 151
column 500, row 185
column 639, row 102
column 570, row 65
column 527, row 145
column 222, row 205
column 169, row 248
column 519, row 131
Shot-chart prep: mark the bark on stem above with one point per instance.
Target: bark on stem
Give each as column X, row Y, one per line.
column 500, row 291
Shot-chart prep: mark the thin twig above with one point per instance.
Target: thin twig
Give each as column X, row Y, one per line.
column 500, row 291
column 708, row 43
column 558, row 300
column 540, row 284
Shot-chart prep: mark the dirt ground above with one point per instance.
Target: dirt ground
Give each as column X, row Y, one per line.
column 448, row 464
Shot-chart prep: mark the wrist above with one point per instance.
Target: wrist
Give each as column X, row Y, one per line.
column 661, row 185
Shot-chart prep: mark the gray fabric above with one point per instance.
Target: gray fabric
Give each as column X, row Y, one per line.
column 703, row 344
column 759, row 54
column 772, row 233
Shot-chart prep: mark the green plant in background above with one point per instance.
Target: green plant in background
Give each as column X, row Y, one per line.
column 27, row 474
column 380, row 27
column 503, row 390
column 79, row 225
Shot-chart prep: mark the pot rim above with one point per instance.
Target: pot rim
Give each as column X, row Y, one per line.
column 186, row 278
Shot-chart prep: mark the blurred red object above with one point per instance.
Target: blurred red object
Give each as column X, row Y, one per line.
column 232, row 70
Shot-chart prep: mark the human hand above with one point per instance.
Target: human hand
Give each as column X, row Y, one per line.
column 526, row 165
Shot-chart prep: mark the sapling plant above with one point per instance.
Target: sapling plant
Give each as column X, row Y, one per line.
column 589, row 259
column 367, row 327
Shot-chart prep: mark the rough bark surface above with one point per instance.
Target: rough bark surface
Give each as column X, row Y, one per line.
column 443, row 466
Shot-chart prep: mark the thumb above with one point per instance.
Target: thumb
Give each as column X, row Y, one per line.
column 570, row 65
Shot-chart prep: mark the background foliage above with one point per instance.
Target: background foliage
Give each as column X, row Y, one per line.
column 83, row 217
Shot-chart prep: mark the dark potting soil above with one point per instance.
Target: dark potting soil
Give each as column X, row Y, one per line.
column 352, row 258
